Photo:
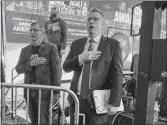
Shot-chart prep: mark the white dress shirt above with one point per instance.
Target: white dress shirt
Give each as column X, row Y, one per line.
column 95, row 46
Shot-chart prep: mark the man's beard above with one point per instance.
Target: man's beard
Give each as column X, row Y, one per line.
column 53, row 17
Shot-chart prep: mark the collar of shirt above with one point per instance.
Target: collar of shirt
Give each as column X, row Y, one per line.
column 96, row 39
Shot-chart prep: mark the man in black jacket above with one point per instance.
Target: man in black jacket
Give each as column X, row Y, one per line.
column 41, row 65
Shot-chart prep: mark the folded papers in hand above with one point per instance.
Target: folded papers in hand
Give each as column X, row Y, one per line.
column 101, row 101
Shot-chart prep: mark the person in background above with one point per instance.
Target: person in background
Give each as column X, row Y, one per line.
column 56, row 30
column 97, row 64
column 41, row 65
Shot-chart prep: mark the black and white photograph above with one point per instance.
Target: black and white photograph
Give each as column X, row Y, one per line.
column 83, row 62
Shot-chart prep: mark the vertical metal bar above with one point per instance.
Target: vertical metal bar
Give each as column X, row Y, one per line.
column 39, row 106
column 63, row 116
column 76, row 115
column 12, row 96
column 133, row 39
column 83, row 115
column 50, row 108
column 15, row 105
column 3, row 104
column 27, row 105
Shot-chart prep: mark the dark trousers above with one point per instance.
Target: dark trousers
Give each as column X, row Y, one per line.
column 59, row 50
column 90, row 114
column 33, row 111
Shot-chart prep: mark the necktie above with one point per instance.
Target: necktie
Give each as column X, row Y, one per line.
column 85, row 74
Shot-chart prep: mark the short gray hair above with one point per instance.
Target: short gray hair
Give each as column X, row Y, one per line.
column 96, row 10
column 40, row 24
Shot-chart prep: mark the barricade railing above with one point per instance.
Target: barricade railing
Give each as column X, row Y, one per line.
column 13, row 77
column 39, row 88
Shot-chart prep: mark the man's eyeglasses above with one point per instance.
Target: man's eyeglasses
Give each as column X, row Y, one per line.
column 35, row 30
column 53, row 8
column 93, row 18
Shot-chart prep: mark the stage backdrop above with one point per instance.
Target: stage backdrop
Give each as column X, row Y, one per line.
column 20, row 14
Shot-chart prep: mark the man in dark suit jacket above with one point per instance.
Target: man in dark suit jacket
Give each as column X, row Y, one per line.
column 105, row 69
column 40, row 63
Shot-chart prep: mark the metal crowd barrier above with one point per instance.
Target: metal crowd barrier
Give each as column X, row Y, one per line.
column 12, row 80
column 39, row 88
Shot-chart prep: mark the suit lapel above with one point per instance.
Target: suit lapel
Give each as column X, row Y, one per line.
column 29, row 50
column 81, row 48
column 83, row 44
column 101, row 48
column 102, row 44
column 41, row 48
